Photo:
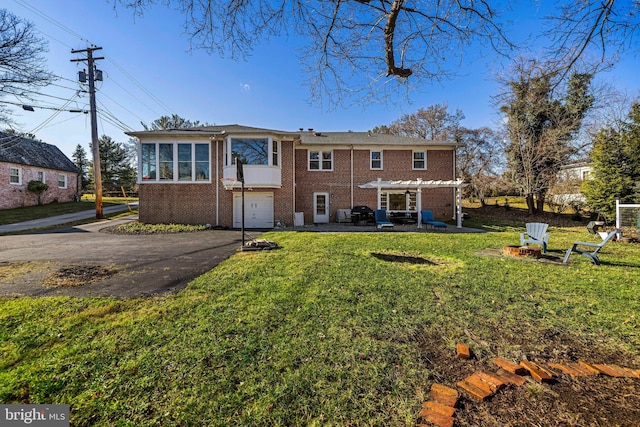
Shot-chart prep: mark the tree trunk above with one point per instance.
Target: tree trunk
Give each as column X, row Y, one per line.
column 540, row 203
column 530, row 203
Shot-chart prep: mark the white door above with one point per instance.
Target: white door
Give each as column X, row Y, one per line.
column 258, row 210
column 320, row 208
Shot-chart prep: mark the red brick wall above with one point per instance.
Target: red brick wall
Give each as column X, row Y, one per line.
column 196, row 203
column 15, row 196
column 397, row 165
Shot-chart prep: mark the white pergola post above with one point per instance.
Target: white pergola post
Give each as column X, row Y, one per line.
column 459, row 206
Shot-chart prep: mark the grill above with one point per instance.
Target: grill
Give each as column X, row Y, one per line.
column 361, row 214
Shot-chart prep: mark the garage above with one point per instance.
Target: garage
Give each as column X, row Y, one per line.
column 258, row 210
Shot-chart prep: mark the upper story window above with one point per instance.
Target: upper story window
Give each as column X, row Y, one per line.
column 275, row 153
column 258, row 151
column 376, row 159
column 252, row 151
column 15, row 175
column 187, row 162
column 40, row 176
column 62, row 181
column 419, row 160
column 321, row 160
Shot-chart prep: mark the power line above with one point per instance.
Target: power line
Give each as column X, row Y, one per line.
column 51, row 20
column 137, row 83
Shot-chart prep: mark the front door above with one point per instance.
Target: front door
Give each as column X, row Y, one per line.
column 320, row 208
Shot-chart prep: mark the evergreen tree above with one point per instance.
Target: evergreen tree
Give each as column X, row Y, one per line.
column 80, row 159
column 616, row 166
column 115, row 165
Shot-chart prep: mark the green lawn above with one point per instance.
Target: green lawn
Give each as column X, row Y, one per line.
column 28, row 213
column 331, row 329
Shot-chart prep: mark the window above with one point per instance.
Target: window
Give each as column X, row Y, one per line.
column 252, row 151
column 148, row 162
column 202, row 162
column 186, row 162
column 15, row 175
column 376, row 160
column 40, row 176
column 419, row 160
column 274, row 153
column 321, row 160
column 395, row 201
column 165, row 157
column 62, row 181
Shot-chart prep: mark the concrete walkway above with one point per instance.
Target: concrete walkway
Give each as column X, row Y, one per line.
column 63, row 219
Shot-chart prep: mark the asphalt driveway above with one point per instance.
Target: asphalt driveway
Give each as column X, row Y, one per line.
column 139, row 265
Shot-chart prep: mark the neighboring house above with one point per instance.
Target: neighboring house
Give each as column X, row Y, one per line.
column 570, row 177
column 23, row 160
column 579, row 171
column 189, row 175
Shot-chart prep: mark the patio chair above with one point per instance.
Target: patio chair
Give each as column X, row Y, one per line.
column 381, row 219
column 428, row 219
column 593, row 256
column 536, row 233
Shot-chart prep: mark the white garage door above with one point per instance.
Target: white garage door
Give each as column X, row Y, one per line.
column 258, row 210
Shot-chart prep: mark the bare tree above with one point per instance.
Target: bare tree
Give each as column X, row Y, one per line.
column 21, row 62
column 604, row 28
column 479, row 157
column 352, row 46
column 434, row 123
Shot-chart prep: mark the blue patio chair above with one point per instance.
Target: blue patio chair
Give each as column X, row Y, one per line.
column 381, row 219
column 428, row 219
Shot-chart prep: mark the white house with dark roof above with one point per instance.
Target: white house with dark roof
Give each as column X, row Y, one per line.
column 190, row 176
column 23, row 160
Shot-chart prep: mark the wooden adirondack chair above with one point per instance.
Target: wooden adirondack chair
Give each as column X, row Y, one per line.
column 536, row 233
column 593, row 256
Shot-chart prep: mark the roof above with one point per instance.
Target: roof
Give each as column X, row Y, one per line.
column 28, row 152
column 309, row 137
column 218, row 130
column 365, row 138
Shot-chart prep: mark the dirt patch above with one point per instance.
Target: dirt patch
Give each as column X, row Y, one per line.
column 568, row 401
column 78, row 275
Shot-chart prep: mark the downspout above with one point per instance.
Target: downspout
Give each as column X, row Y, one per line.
column 293, row 179
column 351, row 177
column 217, row 184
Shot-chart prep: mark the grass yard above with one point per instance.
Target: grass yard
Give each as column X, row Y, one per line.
column 28, row 213
column 338, row 330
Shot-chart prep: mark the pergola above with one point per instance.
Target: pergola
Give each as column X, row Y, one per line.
column 417, row 186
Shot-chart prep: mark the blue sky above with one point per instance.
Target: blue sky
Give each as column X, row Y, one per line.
column 149, row 72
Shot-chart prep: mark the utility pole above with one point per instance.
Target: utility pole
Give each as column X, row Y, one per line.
column 93, row 75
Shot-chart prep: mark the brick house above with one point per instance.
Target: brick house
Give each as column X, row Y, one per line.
column 189, row 176
column 23, row 160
